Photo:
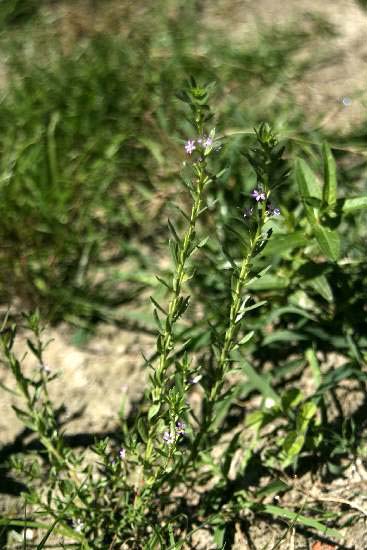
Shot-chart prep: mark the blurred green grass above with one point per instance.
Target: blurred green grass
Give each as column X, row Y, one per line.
column 90, row 142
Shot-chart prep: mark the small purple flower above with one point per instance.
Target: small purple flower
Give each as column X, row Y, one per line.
column 122, row 453
column 271, row 211
column 258, row 195
column 248, row 212
column 190, row 146
column 208, row 142
column 168, row 438
column 180, row 428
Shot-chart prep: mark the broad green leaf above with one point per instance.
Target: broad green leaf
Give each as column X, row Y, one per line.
column 254, row 419
column 259, row 381
column 353, row 204
column 291, row 398
column 308, row 186
column 218, row 535
column 282, row 242
column 312, row 201
column 154, row 410
column 308, row 183
column 291, row 447
column 321, row 286
column 308, row 410
column 269, row 282
column 142, row 429
column 328, row 241
column 330, row 183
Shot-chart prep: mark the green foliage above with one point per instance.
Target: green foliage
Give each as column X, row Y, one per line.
column 82, row 146
column 127, row 494
column 266, row 284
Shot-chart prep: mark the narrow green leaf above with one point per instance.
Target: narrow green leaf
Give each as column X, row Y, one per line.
column 288, row 336
column 269, row 282
column 276, row 486
column 221, row 409
column 312, row 360
column 312, row 201
column 157, row 305
column 161, row 280
column 246, row 338
column 203, row 242
column 277, row 511
column 259, row 275
column 173, row 248
column 173, row 231
column 330, row 183
column 41, row 545
column 157, row 320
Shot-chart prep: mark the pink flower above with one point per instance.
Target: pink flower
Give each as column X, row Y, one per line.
column 190, row 146
column 258, row 195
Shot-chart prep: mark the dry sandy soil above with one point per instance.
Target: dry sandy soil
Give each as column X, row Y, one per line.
column 343, row 74
column 93, row 380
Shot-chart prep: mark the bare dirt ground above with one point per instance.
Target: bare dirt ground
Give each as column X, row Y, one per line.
column 342, row 75
column 96, row 378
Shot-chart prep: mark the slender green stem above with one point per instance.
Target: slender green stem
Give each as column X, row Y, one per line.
column 236, row 301
column 178, row 276
column 229, row 340
column 165, row 342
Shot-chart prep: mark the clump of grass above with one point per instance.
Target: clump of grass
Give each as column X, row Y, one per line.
column 85, row 137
